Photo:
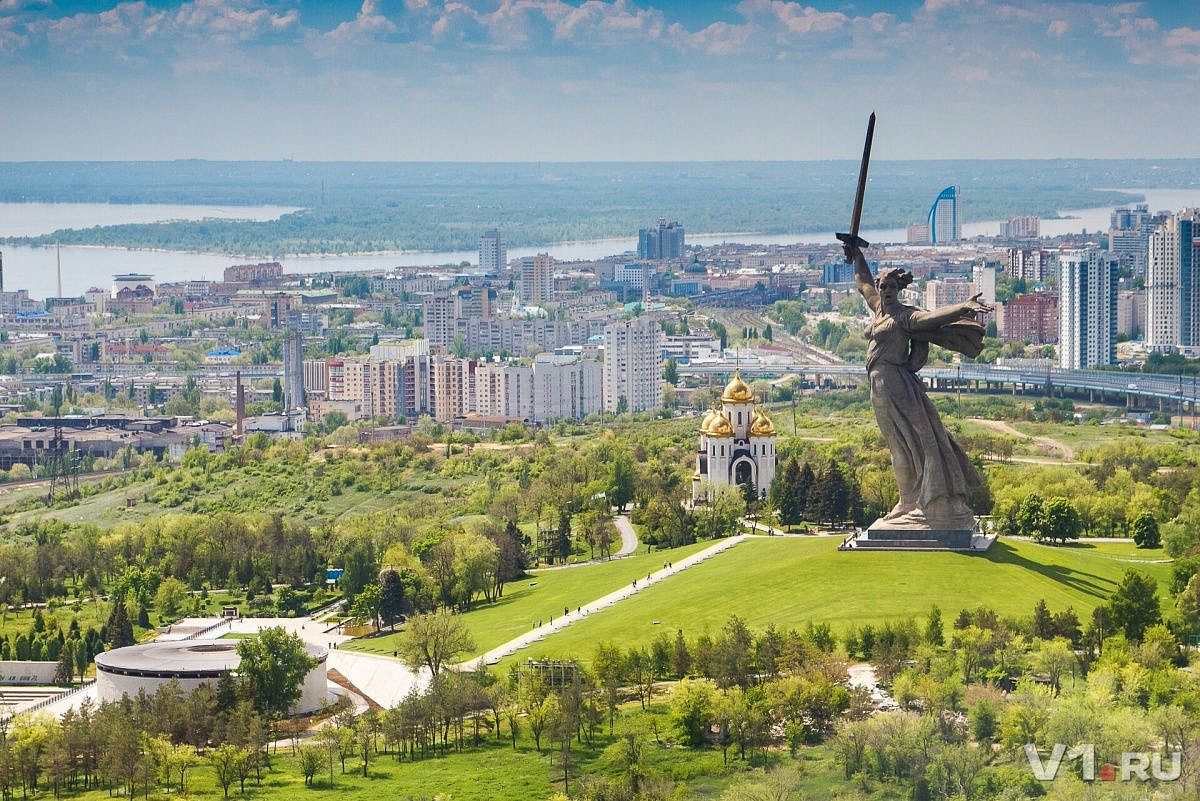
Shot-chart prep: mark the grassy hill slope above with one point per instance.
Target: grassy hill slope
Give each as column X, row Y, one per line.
column 789, row 581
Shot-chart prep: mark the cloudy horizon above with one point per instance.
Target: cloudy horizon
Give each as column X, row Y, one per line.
column 529, row 80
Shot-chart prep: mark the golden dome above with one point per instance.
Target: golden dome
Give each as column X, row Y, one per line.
column 762, row 425
column 720, row 427
column 707, row 421
column 737, row 391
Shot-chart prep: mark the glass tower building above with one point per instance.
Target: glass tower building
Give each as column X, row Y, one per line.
column 944, row 225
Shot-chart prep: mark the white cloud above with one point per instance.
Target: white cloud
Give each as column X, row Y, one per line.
column 367, row 23
column 1058, row 28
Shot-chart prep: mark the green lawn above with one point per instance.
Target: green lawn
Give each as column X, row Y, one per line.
column 542, row 596
column 789, row 581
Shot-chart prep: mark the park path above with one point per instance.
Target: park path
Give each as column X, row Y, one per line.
column 1001, row 427
column 559, row 623
column 629, row 546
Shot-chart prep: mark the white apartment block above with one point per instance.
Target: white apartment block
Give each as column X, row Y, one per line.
column 633, row 364
column 1173, row 284
column 1087, row 309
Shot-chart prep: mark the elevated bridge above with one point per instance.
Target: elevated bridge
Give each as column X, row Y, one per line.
column 1168, row 392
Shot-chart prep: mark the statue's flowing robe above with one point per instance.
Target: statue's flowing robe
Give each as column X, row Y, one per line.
column 938, row 484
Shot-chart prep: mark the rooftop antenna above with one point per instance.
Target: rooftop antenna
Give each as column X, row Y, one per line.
column 58, row 264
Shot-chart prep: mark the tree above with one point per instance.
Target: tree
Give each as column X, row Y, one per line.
column 693, row 707
column 671, row 371
column 367, row 604
column 782, row 494
column 621, row 482
column 434, row 640
column 310, row 762
column 1043, row 622
column 934, row 632
column 393, row 597
column 1145, row 531
column 832, row 494
column 171, row 594
column 120, row 630
column 1061, row 520
column 66, row 665
column 274, row 664
column 806, row 506
column 224, row 760
column 1133, row 607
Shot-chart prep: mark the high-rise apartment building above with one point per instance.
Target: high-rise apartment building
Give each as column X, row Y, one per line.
column 1129, row 237
column 535, row 279
column 1173, row 283
column 491, row 252
column 442, row 309
column 633, row 365
column 944, row 223
column 1087, row 310
column 1030, row 265
column 663, row 241
column 554, row 388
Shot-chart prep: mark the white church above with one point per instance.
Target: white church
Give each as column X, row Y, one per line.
column 737, row 443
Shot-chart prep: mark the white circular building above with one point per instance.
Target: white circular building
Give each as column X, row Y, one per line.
column 148, row 666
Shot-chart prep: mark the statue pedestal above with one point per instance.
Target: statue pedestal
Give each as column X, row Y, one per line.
column 884, row 536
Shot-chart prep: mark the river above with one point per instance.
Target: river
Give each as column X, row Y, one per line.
column 83, row 267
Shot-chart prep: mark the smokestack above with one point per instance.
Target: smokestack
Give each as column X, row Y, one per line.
column 240, row 405
column 58, row 261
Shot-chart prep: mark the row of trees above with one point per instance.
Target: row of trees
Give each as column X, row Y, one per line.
column 799, row 493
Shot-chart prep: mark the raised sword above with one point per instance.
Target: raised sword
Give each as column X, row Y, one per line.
column 853, row 237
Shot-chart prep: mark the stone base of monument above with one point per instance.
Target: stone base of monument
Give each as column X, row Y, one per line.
column 880, row 536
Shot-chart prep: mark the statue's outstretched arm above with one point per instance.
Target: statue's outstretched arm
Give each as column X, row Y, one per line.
column 921, row 320
column 862, row 276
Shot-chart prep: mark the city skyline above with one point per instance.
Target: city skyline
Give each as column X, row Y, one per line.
column 247, row 79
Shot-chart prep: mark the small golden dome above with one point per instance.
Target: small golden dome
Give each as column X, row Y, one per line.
column 720, row 427
column 707, row 421
column 737, row 391
column 762, row 425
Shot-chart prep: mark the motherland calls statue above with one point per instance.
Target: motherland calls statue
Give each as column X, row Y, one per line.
column 937, row 482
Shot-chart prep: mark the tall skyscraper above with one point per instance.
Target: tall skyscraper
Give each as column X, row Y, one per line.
column 491, row 252
column 1173, row 283
column 536, row 279
column 1087, row 308
column 1129, row 237
column 633, row 365
column 944, row 223
column 663, row 241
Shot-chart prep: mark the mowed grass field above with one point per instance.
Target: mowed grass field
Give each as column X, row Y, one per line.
column 790, row 581
column 542, row 596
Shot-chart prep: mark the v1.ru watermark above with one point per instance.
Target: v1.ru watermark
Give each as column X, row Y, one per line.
column 1140, row 765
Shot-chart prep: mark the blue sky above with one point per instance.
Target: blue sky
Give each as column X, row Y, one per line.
column 550, row 80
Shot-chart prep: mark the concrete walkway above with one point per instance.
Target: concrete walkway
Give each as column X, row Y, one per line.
column 629, row 546
column 559, row 623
